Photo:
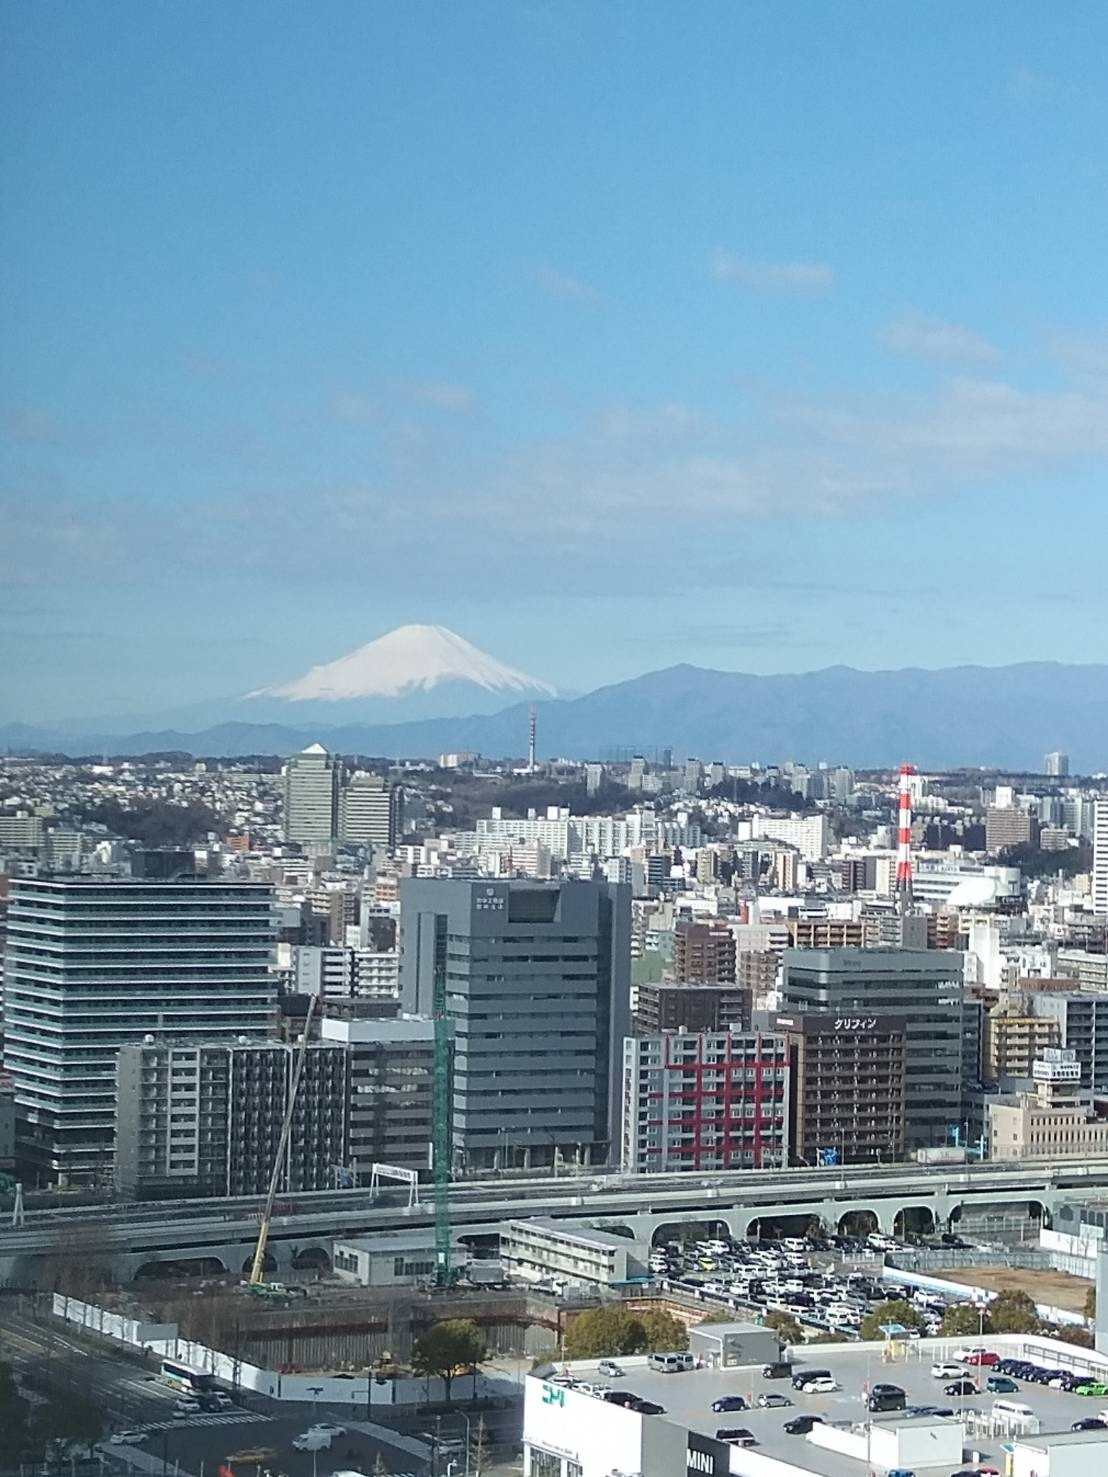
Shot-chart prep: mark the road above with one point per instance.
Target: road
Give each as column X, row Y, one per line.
column 132, row 1397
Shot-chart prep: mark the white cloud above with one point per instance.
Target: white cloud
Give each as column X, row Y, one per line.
column 921, row 337
column 772, row 276
column 368, row 410
column 561, row 284
column 457, row 398
column 358, row 408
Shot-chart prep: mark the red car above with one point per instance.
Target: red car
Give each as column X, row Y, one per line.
column 987, row 1356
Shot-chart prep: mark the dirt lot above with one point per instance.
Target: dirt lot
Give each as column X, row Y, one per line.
column 1057, row 1289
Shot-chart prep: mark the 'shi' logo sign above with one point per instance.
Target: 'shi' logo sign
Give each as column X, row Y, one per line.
column 551, row 1395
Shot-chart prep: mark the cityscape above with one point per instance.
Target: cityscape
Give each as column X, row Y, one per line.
column 553, row 740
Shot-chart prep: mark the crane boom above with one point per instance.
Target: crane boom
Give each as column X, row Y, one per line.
column 282, row 1144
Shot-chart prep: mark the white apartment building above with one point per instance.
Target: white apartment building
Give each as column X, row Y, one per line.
column 1100, row 858
column 567, row 836
column 810, row 834
column 701, row 1100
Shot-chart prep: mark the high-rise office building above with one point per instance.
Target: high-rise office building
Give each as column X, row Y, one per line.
column 1081, row 1018
column 391, row 1066
column 537, row 995
column 312, row 797
column 1056, row 763
column 1100, row 858
column 924, row 987
column 93, row 965
column 369, row 811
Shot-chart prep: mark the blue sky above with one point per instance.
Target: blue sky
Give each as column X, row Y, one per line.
column 765, row 336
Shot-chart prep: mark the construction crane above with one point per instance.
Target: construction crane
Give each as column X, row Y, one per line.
column 441, row 1146
column 255, row 1284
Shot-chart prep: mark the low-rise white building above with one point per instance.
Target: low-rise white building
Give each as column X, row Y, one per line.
column 539, row 1249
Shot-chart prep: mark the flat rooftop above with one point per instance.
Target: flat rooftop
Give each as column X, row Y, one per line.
column 687, row 1399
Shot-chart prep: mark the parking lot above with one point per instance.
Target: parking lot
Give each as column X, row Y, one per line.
column 826, row 1284
column 687, row 1398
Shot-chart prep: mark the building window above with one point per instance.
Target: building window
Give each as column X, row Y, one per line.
column 545, row 1463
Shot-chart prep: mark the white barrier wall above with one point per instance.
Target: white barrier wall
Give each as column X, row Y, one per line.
column 162, row 1339
column 967, row 1293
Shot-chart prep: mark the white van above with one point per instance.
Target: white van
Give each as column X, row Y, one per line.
column 1013, row 1410
column 672, row 1363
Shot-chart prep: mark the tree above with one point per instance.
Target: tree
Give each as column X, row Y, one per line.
column 611, row 1331
column 1014, row 1312
column 1089, row 1308
column 480, row 1448
column 787, row 1329
column 896, row 1310
column 828, row 1336
column 601, row 1332
column 1071, row 1333
column 662, row 1332
column 961, row 1320
column 72, row 1417
column 448, row 1349
column 13, row 1419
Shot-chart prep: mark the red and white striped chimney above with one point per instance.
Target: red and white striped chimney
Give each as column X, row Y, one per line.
column 904, row 834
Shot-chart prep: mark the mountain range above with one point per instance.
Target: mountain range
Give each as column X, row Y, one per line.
column 952, row 717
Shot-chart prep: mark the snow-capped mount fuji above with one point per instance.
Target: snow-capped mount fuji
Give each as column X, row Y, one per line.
column 412, row 672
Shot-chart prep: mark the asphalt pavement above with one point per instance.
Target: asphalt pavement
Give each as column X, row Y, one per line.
column 132, row 1397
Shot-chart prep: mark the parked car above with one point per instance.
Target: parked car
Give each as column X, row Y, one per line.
column 770, row 1400
column 960, row 1387
column 780, row 1369
column 1000, row 1384
column 610, row 1369
column 648, row 1407
column 800, row 1425
column 328, row 1428
column 823, row 1385
column 127, row 1438
column 736, row 1436
column 982, row 1357
column 945, row 1369
column 620, row 1397
column 1090, row 1423
column 805, row 1375
column 729, row 1402
column 1091, row 1387
column 970, row 1351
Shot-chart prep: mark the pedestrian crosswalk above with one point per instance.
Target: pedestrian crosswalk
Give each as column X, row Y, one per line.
column 215, row 1418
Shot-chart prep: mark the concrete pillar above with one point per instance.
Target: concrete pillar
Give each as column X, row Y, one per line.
column 1100, row 1327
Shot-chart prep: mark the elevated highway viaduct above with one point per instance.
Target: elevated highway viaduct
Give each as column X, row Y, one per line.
column 136, row 1239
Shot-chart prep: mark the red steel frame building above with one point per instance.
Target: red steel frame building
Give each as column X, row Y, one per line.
column 701, row 1100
